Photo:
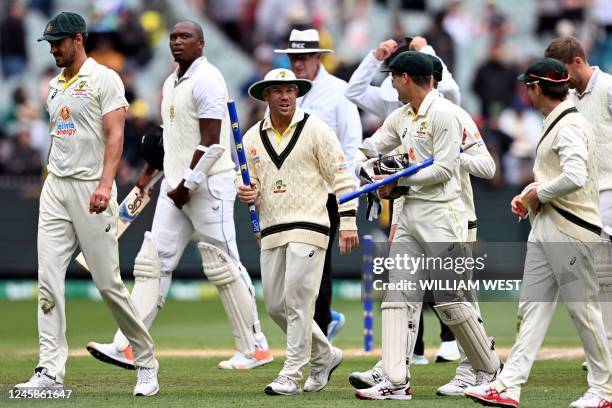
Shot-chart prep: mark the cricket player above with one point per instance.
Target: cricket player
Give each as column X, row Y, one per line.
column 563, row 210
column 326, row 102
column 591, row 91
column 86, row 105
column 196, row 134
column 293, row 159
column 476, row 161
column 432, row 215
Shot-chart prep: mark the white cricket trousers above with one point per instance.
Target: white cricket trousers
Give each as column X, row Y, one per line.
column 290, row 276
column 64, row 221
column 558, row 264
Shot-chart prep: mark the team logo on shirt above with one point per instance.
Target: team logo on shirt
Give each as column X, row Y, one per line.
column 81, row 88
column 422, row 131
column 172, row 113
column 65, row 126
column 255, row 157
column 279, row 187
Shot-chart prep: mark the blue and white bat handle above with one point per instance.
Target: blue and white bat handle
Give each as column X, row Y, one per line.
column 373, row 186
column 244, row 170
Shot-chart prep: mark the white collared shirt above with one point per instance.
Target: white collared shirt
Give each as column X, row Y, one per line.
column 76, row 109
column 326, row 101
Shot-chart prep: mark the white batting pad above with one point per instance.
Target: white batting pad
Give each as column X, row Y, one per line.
column 235, row 296
column 394, row 340
column 467, row 326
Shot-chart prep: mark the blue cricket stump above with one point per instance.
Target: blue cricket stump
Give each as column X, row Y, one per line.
column 368, row 317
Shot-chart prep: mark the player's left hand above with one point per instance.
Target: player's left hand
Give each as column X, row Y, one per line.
column 348, row 240
column 180, row 196
column 532, row 199
column 99, row 200
column 384, row 191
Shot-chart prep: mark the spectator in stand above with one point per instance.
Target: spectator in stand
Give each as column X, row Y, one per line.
column 227, row 14
column 13, row 41
column 524, row 126
column 495, row 81
column 133, row 39
column 19, row 157
column 264, row 61
column 549, row 13
column 458, row 23
column 441, row 41
column 105, row 53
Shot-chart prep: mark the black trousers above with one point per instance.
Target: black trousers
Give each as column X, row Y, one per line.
column 323, row 305
column 445, row 333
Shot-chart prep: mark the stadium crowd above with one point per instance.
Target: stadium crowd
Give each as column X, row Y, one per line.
column 122, row 37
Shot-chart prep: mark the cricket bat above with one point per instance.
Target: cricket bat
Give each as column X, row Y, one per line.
column 129, row 209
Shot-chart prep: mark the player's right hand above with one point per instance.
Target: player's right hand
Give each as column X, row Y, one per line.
column 247, row 194
column 517, row 207
column 385, row 49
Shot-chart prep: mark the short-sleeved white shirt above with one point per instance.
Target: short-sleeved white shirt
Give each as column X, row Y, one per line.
column 76, row 109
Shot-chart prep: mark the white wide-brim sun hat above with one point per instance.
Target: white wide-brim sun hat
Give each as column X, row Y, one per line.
column 279, row 76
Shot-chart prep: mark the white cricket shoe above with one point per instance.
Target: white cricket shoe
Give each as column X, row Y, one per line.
column 367, row 379
column 386, row 390
column 492, row 395
column 40, row 381
column 240, row 362
column 590, row 400
column 318, row 379
column 448, row 352
column 454, row 388
column 108, row 353
column 282, row 386
column 146, row 381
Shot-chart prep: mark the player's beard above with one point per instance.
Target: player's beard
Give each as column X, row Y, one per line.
column 66, row 57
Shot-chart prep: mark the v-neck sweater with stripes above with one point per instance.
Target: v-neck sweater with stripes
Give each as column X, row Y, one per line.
column 292, row 173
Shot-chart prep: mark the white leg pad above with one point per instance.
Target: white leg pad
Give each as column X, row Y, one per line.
column 468, row 328
column 235, row 296
column 394, row 340
column 146, row 292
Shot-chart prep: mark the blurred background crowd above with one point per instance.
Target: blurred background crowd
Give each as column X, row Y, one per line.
column 485, row 43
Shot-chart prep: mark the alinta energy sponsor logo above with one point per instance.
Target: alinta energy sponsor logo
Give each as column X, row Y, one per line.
column 66, row 127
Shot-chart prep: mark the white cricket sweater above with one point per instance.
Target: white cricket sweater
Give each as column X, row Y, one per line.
column 577, row 213
column 292, row 174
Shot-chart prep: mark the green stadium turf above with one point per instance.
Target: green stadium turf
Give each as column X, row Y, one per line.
column 192, row 381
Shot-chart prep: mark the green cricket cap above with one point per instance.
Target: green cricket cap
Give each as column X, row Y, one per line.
column 437, row 67
column 411, row 62
column 548, row 70
column 65, row 24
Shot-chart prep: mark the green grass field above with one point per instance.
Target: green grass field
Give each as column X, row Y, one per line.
column 191, row 381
